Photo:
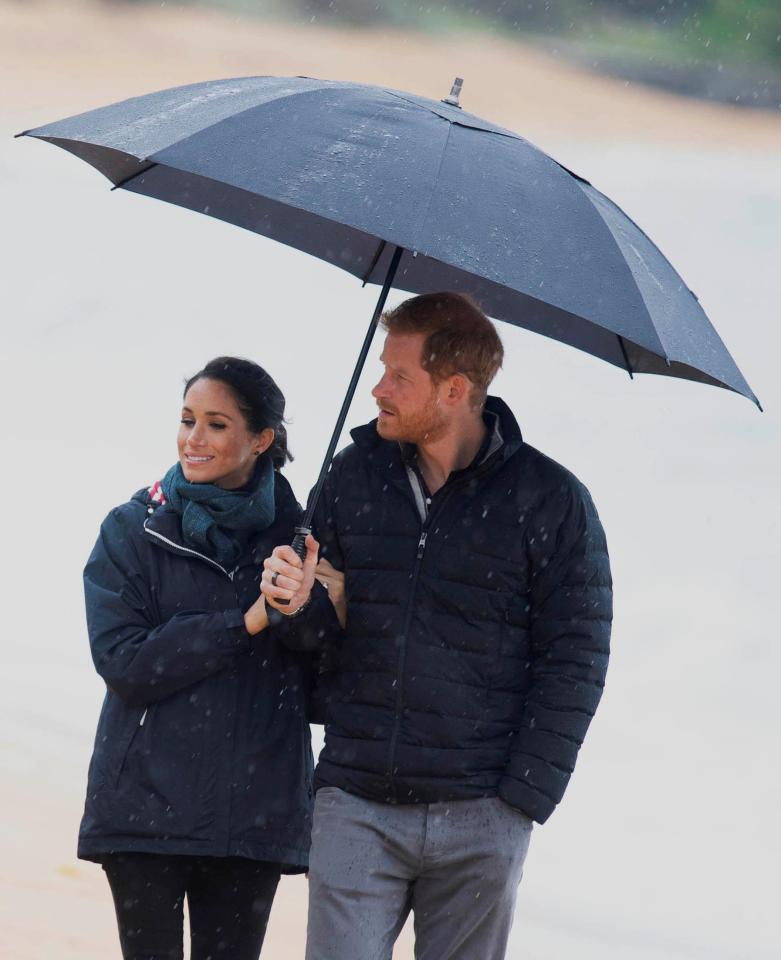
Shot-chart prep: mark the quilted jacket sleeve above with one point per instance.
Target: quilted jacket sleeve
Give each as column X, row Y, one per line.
column 571, row 611
column 141, row 660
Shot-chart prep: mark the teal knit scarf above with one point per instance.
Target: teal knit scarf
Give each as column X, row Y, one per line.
column 219, row 522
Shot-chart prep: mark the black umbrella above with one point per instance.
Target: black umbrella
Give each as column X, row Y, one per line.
column 412, row 193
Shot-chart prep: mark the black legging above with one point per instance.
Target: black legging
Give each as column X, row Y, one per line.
column 228, row 899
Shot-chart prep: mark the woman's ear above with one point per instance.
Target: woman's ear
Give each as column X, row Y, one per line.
column 265, row 439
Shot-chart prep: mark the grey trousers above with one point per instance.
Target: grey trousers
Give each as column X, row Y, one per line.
column 456, row 865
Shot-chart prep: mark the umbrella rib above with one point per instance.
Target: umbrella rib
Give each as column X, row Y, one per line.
column 481, row 127
column 626, row 356
column 659, row 348
column 424, row 215
column 373, row 264
column 133, row 176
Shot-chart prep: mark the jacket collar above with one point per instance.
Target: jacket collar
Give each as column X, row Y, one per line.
column 387, row 456
column 505, row 434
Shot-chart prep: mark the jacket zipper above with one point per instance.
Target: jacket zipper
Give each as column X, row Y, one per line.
column 403, row 653
column 178, row 548
column 421, row 544
column 426, row 519
column 194, row 553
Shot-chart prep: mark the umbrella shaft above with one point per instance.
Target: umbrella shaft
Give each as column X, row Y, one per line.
column 389, row 277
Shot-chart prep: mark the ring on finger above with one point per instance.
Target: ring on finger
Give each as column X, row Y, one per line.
column 274, row 578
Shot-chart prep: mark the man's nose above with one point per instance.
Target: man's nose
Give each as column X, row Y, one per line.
column 380, row 389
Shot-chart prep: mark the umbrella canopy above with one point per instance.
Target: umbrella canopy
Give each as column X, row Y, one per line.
column 371, row 179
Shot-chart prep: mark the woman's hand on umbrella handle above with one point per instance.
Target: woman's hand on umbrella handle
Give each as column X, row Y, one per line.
column 285, row 577
column 333, row 581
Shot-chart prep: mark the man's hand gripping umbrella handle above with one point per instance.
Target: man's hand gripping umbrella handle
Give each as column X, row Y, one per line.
column 299, row 546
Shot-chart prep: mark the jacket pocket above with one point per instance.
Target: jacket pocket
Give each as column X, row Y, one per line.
column 123, row 745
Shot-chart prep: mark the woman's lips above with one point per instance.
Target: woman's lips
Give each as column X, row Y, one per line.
column 191, row 458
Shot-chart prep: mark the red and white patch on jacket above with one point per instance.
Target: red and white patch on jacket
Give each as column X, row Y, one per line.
column 156, row 494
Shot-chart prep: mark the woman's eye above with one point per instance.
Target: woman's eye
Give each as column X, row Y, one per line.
column 217, row 426
column 187, row 423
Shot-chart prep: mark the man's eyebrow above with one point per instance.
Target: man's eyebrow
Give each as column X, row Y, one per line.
column 210, row 413
column 391, row 367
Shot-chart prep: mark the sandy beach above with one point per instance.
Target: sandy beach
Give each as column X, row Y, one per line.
column 98, row 53
column 690, row 854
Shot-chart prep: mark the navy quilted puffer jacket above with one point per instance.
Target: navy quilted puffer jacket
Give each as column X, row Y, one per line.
column 478, row 625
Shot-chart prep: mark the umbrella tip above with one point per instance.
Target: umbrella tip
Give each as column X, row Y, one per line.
column 455, row 93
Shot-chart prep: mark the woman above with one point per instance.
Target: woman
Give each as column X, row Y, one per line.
column 200, row 780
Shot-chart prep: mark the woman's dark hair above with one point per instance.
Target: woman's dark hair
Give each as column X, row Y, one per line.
column 257, row 396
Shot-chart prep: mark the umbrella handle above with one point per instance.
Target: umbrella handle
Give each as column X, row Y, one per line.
column 299, row 546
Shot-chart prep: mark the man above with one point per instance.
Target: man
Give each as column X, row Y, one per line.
column 474, row 655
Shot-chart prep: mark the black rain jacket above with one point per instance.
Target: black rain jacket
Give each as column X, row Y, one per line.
column 203, row 742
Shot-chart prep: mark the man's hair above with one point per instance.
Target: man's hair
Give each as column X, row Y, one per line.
column 459, row 338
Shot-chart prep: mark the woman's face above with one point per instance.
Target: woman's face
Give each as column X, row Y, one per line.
column 215, row 443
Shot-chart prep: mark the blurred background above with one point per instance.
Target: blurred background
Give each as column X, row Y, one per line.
column 667, row 843
column 726, row 50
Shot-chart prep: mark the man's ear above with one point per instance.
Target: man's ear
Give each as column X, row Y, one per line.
column 458, row 388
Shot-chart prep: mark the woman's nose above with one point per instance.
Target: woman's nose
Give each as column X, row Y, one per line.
column 195, row 439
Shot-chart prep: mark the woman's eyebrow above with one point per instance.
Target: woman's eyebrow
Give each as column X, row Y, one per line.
column 210, row 413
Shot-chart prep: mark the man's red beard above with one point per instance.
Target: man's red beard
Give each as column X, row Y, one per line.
column 422, row 426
